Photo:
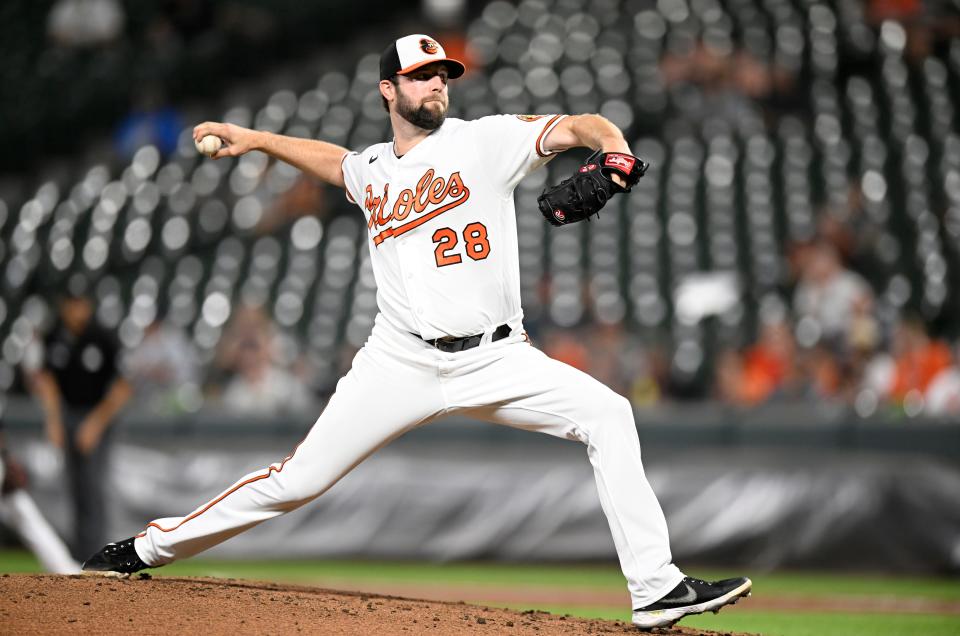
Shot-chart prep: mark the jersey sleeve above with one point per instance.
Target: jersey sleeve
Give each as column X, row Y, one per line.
column 350, row 165
column 511, row 146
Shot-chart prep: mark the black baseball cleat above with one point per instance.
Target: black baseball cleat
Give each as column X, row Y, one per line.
column 119, row 557
column 691, row 596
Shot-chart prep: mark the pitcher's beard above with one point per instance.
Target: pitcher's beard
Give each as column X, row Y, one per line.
column 421, row 116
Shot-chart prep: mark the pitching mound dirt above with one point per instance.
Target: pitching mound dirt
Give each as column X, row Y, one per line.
column 45, row 604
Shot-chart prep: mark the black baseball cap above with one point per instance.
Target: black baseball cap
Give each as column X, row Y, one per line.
column 413, row 51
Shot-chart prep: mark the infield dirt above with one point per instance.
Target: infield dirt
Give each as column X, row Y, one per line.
column 46, row 604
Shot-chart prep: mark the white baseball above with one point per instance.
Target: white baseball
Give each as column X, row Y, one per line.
column 209, row 145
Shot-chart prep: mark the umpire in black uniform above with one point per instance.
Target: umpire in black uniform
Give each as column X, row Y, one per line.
column 81, row 392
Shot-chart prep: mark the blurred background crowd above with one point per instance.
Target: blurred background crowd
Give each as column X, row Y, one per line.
column 796, row 240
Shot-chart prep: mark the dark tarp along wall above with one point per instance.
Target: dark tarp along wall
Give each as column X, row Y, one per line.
column 759, row 508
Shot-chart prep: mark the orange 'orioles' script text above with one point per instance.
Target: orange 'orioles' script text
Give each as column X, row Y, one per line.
column 431, row 190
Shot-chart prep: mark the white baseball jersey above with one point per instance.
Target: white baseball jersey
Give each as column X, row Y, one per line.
column 441, row 222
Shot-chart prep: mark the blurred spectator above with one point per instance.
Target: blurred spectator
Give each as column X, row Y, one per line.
column 828, row 294
column 609, row 353
column 834, row 226
column 258, row 385
column 924, row 23
column 879, row 10
column 864, row 340
column 714, row 78
column 918, row 359
column 862, row 241
column 863, row 329
column 776, row 369
column 652, row 383
column 163, row 370
column 750, row 76
column 19, row 512
column 81, row 392
column 918, row 375
column 728, row 385
column 85, row 22
column 644, row 388
column 943, row 393
column 611, row 356
column 565, row 345
column 768, row 364
column 151, row 121
column 305, row 197
column 815, row 376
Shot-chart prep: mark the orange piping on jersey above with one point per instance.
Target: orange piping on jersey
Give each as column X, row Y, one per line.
column 210, row 505
column 544, row 132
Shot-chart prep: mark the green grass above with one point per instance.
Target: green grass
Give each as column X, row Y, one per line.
column 744, row 620
column 828, row 624
column 608, row 578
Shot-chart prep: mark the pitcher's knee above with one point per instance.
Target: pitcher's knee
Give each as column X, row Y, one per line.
column 299, row 494
column 617, row 408
column 292, row 498
column 610, row 412
column 291, row 488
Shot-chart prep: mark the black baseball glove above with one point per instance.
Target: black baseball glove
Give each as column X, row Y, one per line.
column 590, row 187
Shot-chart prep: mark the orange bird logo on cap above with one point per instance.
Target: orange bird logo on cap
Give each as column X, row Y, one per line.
column 428, row 46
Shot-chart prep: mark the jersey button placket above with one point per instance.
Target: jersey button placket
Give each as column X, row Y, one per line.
column 408, row 279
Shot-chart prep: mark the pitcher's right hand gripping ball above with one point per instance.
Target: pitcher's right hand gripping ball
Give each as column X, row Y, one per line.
column 208, row 145
column 590, row 187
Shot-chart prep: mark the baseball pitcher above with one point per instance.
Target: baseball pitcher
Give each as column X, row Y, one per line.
column 448, row 338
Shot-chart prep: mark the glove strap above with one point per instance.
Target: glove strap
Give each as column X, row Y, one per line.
column 626, row 165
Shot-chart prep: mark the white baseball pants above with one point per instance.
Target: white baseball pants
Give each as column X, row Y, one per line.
column 397, row 383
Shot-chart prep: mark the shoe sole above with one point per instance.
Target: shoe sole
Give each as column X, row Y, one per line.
column 668, row 617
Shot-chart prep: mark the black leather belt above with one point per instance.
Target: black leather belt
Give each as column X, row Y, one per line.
column 449, row 344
